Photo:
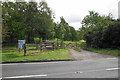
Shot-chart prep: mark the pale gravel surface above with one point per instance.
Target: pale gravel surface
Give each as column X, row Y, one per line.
column 85, row 55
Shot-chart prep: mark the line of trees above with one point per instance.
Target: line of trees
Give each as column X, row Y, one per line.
column 100, row 31
column 65, row 32
column 27, row 20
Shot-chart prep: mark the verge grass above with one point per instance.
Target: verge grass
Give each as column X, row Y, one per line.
column 104, row 51
column 76, row 49
column 31, row 47
column 115, row 52
column 12, row 54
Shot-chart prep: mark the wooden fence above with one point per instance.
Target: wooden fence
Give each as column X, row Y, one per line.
column 42, row 46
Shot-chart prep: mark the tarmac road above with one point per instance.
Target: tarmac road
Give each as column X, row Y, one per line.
column 92, row 65
column 98, row 68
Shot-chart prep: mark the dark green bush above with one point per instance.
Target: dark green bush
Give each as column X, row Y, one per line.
column 104, row 37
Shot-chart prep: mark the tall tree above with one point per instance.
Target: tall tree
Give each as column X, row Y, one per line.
column 96, row 30
column 64, row 31
column 12, row 18
column 65, row 28
column 74, row 35
column 29, row 19
column 45, row 25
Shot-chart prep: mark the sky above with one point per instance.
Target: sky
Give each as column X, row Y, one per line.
column 74, row 11
column 119, row 10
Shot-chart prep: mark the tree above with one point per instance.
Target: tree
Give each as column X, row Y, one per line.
column 91, row 20
column 30, row 20
column 12, row 20
column 64, row 31
column 95, row 30
column 45, row 25
column 74, row 35
column 111, row 36
column 23, row 20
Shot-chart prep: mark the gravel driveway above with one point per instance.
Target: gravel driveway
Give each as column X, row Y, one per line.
column 84, row 55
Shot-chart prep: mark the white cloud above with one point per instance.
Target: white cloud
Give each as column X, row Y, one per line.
column 75, row 10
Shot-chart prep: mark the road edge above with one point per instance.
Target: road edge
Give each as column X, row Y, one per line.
column 39, row 61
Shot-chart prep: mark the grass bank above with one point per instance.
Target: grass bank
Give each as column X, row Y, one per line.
column 12, row 54
column 104, row 51
column 76, row 49
column 115, row 52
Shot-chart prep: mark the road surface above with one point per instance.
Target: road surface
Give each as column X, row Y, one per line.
column 102, row 67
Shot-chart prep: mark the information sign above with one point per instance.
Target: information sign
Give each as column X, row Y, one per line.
column 20, row 43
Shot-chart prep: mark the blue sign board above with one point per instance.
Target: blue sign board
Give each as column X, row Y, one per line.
column 20, row 43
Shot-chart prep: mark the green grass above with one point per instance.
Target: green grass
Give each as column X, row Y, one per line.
column 82, row 44
column 104, row 51
column 68, row 41
column 12, row 54
column 31, row 48
column 76, row 49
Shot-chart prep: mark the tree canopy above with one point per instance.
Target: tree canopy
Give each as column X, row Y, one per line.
column 65, row 32
column 100, row 31
column 27, row 20
column 23, row 20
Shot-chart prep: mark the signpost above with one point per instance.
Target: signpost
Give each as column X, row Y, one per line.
column 20, row 44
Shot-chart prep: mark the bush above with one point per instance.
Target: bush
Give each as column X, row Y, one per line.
column 112, row 36
column 104, row 37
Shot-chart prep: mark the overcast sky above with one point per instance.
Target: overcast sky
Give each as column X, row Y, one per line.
column 75, row 10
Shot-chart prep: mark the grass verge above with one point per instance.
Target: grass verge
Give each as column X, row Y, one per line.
column 104, row 51
column 76, row 49
column 12, row 54
column 82, row 44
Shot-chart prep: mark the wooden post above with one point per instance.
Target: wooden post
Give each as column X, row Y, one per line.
column 24, row 47
column 53, row 45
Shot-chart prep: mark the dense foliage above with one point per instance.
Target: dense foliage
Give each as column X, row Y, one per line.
column 65, row 32
column 100, row 31
column 28, row 20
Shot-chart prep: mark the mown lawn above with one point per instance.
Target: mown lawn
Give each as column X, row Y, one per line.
column 13, row 54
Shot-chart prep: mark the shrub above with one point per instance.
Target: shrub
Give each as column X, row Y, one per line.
column 104, row 37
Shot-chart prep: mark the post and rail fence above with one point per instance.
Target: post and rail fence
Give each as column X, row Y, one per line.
column 41, row 46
